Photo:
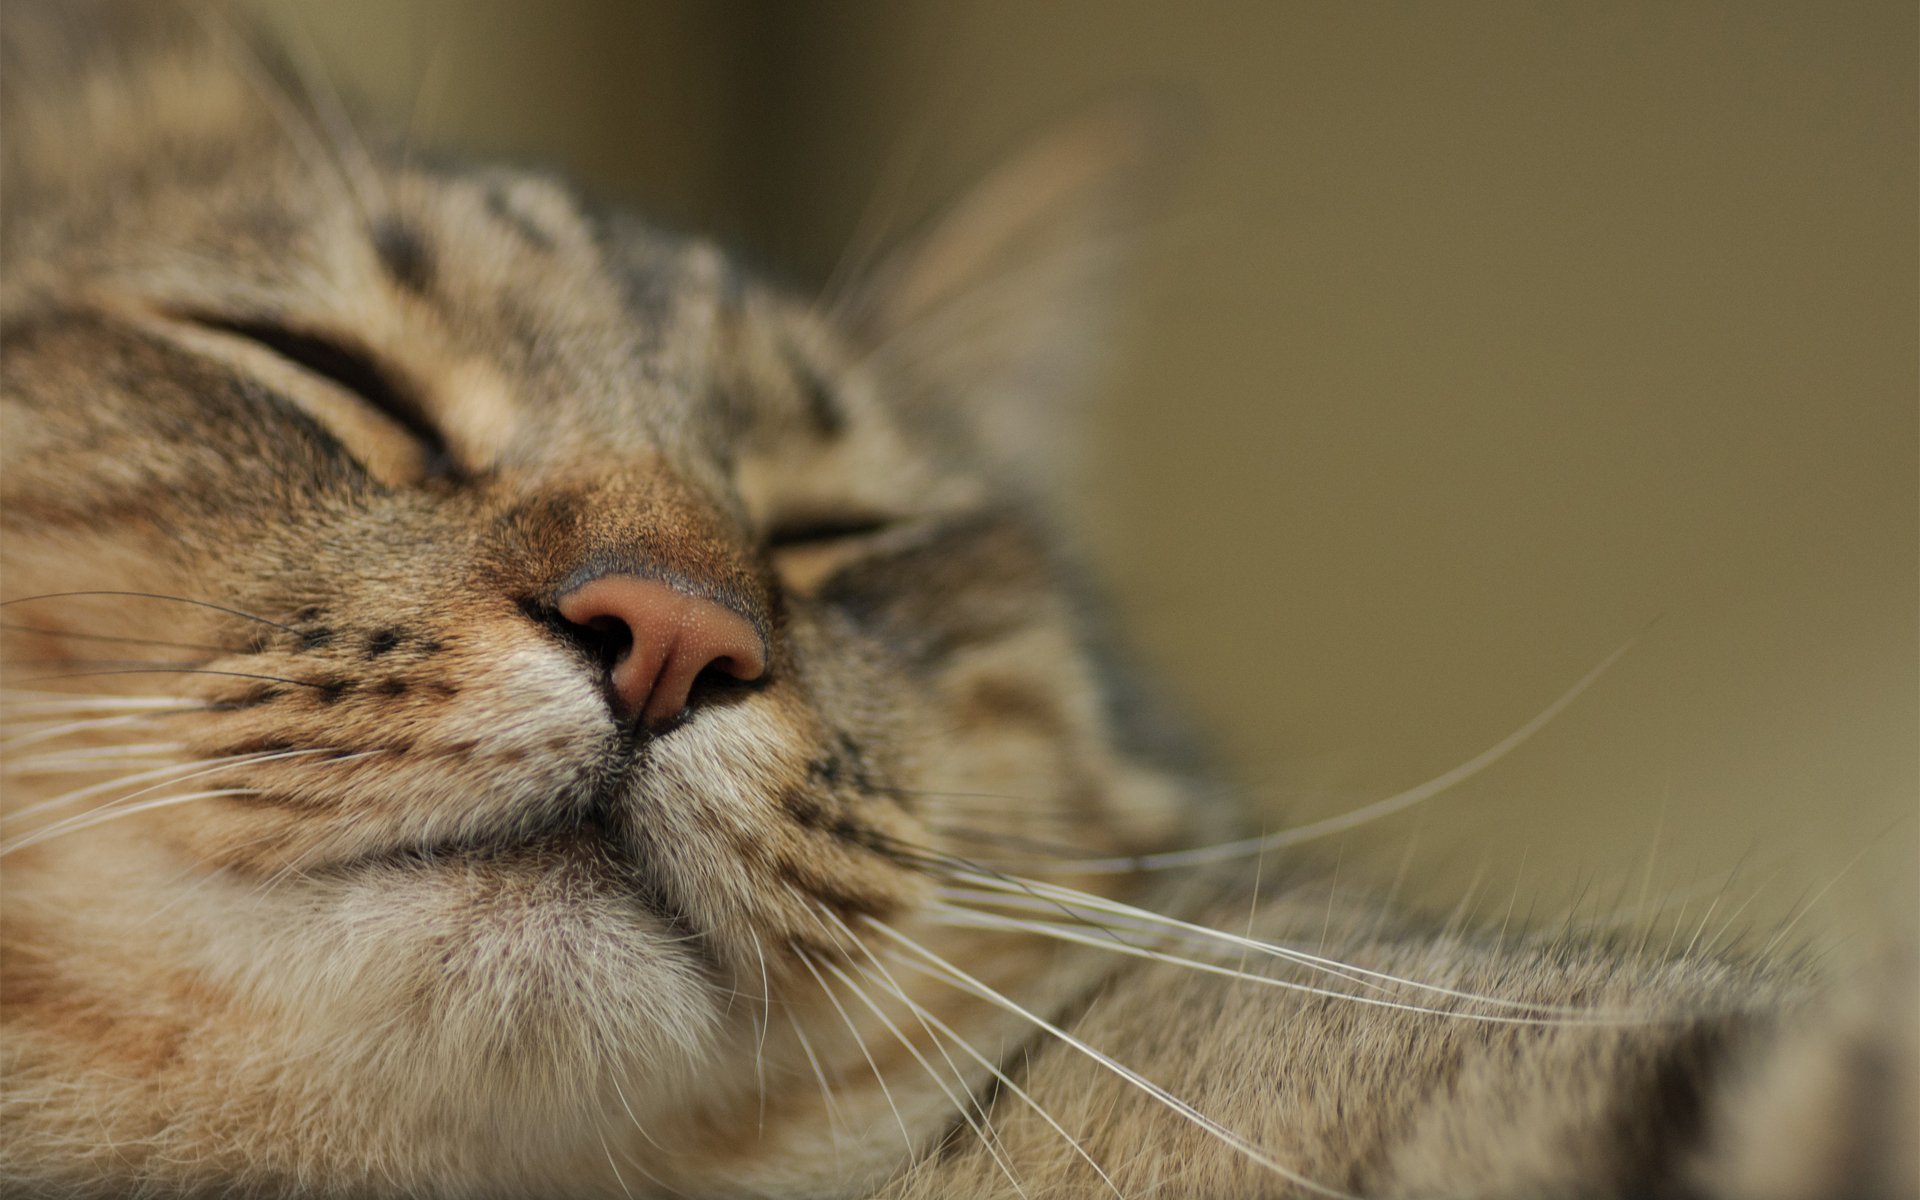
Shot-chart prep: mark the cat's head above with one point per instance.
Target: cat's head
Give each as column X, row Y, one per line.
column 470, row 659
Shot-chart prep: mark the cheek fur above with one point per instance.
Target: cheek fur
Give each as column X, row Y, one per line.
column 471, row 740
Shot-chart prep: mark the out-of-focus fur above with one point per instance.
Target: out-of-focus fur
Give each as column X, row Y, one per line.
column 328, row 869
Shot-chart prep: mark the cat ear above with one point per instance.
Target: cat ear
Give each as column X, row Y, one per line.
column 998, row 317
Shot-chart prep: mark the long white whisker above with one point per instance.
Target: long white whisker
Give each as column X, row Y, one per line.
column 632, row 1116
column 954, row 976
column 928, row 1020
column 807, row 962
column 617, row 1176
column 1340, row 823
column 961, row 1102
column 95, row 817
column 1070, row 898
column 93, row 758
column 25, row 703
column 985, row 1126
column 760, row 1032
column 826, row 1091
column 43, row 731
column 968, row 919
column 207, row 767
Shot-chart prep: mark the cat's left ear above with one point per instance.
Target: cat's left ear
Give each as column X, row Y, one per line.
column 998, row 317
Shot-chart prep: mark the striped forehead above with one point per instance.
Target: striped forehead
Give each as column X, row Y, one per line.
column 566, row 331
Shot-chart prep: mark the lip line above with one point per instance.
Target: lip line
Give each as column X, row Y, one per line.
column 596, row 826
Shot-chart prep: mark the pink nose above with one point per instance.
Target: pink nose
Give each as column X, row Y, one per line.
column 674, row 637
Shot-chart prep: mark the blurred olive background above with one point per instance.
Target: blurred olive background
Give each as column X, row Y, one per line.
column 1479, row 336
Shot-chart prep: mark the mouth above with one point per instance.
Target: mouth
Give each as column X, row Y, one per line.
column 589, row 836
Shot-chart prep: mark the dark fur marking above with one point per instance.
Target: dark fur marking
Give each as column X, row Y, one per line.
column 519, row 222
column 807, row 811
column 854, row 833
column 314, row 639
column 845, row 904
column 252, row 698
column 824, row 410
column 1660, row 1129
column 804, row 808
column 329, row 691
column 855, row 761
column 394, row 686
column 403, row 255
column 432, row 646
column 825, row 770
column 382, row 642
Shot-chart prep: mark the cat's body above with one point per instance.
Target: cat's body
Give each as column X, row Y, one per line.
column 345, row 854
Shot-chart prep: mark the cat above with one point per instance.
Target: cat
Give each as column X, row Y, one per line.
column 503, row 701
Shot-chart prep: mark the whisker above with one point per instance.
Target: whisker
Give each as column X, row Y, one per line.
column 114, row 663
column 303, row 133
column 1357, row 974
column 760, row 1030
column 1001, row 1076
column 970, row 919
column 928, row 1021
column 232, row 612
column 617, row 1176
column 965, row 1107
column 44, row 731
column 1803, row 909
column 95, row 758
column 945, row 971
column 179, row 671
column 1341, row 822
column 806, row 961
column 826, row 1092
column 332, row 121
column 95, row 817
column 62, row 702
column 211, row 766
column 642, row 1130
column 109, row 637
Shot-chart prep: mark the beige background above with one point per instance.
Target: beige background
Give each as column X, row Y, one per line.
column 1481, row 336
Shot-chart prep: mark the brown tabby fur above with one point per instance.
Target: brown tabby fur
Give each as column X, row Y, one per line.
column 302, row 440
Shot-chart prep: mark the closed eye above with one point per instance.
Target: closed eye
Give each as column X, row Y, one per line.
column 808, row 531
column 809, row 550
column 349, row 369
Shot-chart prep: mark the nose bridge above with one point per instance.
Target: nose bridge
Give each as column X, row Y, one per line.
column 651, row 524
column 649, row 575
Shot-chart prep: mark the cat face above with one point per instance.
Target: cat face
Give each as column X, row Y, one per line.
column 459, row 643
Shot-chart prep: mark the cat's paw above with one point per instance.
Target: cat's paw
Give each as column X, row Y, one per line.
column 1830, row 1110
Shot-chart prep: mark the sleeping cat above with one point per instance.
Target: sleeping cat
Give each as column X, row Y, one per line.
column 501, row 701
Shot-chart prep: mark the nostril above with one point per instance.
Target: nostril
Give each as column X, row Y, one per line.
column 606, row 639
column 603, row 641
column 654, row 642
